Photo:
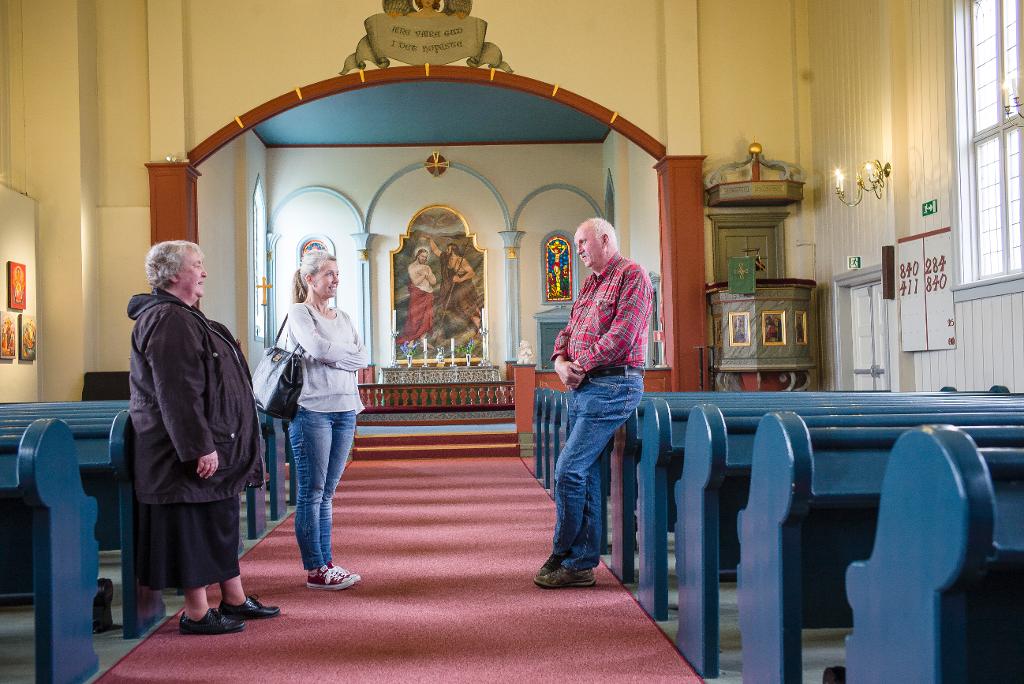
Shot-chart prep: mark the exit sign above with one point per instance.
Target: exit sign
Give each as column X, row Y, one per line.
column 853, row 262
column 929, row 207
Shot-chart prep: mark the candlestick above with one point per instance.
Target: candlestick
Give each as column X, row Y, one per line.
column 452, row 342
column 394, row 320
column 424, row 348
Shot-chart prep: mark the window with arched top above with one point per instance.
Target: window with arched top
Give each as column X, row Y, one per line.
column 259, row 260
column 559, row 269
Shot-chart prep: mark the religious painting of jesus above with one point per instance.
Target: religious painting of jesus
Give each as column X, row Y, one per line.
column 438, row 281
column 17, row 286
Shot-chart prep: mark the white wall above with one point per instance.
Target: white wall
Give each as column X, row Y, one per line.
column 358, row 173
column 19, row 379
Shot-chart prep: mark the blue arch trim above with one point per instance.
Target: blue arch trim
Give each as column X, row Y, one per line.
column 454, row 165
column 358, row 215
column 556, row 186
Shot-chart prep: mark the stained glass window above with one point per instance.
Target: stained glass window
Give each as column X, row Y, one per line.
column 314, row 244
column 558, row 269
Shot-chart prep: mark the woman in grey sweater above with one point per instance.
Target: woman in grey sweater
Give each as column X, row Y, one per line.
column 323, row 429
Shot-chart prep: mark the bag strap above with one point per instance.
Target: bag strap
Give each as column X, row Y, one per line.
column 277, row 338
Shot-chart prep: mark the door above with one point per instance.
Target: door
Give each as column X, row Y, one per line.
column 870, row 342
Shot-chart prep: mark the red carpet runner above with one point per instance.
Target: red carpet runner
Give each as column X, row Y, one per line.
column 447, row 550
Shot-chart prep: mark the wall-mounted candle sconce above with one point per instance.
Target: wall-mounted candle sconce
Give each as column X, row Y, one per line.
column 871, row 178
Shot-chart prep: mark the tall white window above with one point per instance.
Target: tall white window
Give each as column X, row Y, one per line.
column 993, row 246
column 259, row 260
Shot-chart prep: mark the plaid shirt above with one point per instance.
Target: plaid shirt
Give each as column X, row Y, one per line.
column 608, row 323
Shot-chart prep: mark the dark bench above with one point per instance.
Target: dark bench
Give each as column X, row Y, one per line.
column 713, row 489
column 812, row 510
column 48, row 553
column 942, row 595
column 663, row 447
column 103, row 439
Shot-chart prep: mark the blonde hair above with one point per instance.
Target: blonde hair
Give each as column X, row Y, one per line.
column 312, row 262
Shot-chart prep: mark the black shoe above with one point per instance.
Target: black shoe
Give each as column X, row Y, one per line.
column 553, row 562
column 212, row 623
column 252, row 609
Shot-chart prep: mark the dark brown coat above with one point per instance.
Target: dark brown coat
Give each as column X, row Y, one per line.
column 191, row 394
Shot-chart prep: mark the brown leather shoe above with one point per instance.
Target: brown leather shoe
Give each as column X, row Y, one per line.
column 553, row 562
column 562, row 577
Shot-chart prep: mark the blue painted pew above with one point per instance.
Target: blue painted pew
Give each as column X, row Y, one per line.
column 942, row 595
column 255, row 499
column 543, row 435
column 627, row 452
column 711, row 492
column 812, row 510
column 102, row 445
column 47, row 548
column 538, row 421
column 662, row 462
column 274, row 439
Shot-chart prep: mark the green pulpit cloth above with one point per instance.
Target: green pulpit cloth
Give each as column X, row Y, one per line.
column 741, row 275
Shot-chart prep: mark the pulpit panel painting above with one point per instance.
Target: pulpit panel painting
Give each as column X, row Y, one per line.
column 558, row 269
column 438, row 286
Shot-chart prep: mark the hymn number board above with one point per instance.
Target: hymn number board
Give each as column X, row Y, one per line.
column 925, row 286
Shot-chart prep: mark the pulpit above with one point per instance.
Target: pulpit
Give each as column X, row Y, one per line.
column 762, row 341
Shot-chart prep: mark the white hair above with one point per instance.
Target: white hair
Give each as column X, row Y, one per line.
column 164, row 261
column 602, row 227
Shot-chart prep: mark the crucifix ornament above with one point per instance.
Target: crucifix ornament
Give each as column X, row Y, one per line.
column 263, row 287
column 436, row 164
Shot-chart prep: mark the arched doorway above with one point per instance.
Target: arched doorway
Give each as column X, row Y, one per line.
column 174, row 209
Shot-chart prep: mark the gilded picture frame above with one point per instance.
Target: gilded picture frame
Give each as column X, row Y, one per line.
column 773, row 328
column 800, row 327
column 438, row 285
column 739, row 328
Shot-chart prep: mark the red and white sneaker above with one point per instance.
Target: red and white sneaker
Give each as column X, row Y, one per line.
column 338, row 568
column 330, row 579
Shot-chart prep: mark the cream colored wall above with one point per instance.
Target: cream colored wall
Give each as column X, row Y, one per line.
column 20, row 379
column 220, row 226
column 516, row 170
column 754, row 85
column 604, row 51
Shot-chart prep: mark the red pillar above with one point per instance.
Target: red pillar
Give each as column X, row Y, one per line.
column 173, row 212
column 681, row 213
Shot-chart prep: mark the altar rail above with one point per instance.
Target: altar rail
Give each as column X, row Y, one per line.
column 476, row 395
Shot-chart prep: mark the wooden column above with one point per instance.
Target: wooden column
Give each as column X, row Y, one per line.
column 525, row 377
column 681, row 213
column 172, row 202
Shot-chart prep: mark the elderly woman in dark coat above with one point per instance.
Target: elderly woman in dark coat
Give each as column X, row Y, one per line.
column 197, row 443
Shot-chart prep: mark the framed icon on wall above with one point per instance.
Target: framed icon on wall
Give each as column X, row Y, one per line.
column 17, row 285
column 739, row 328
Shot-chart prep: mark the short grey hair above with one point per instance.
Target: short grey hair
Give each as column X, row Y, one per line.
column 312, row 262
column 164, row 261
column 602, row 227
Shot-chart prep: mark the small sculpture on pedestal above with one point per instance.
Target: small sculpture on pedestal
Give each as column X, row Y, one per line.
column 525, row 356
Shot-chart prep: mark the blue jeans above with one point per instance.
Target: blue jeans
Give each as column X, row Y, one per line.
column 596, row 410
column 321, row 443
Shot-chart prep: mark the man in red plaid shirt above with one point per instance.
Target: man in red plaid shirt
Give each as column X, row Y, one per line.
column 600, row 359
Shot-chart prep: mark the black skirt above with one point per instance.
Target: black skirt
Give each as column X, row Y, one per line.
column 187, row 545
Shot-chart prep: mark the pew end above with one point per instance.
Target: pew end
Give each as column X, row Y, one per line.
column 941, row 596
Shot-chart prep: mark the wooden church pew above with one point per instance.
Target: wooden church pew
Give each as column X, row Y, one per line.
column 662, row 461
column 102, row 451
column 812, row 510
column 48, row 548
column 627, row 452
column 711, row 492
column 941, row 597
